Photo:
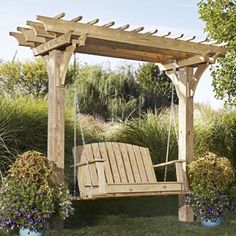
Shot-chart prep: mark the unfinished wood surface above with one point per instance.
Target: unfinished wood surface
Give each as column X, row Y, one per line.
column 127, row 163
column 39, row 30
column 126, row 41
column 101, row 178
column 58, row 42
column 140, row 164
column 119, row 164
column 119, row 42
column 148, row 164
column 144, row 187
column 88, row 155
column 168, row 163
column 133, row 163
column 21, row 40
column 179, row 172
column 113, row 164
column 186, row 93
column 56, row 109
column 191, row 61
column 118, row 52
column 108, row 173
column 185, row 115
column 185, row 212
column 132, row 195
column 30, row 35
column 62, row 26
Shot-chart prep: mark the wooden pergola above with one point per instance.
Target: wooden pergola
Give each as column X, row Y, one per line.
column 56, row 39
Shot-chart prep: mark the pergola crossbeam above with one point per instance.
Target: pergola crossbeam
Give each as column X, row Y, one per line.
column 30, row 35
column 21, row 40
column 39, row 30
column 56, row 43
column 191, row 61
column 129, row 38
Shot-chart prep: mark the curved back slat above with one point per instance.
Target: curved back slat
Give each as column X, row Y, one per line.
column 124, row 163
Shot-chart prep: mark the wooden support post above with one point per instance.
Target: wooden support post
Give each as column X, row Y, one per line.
column 185, row 92
column 57, row 63
column 185, row 114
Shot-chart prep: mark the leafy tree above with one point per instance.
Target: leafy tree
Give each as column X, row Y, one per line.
column 24, row 78
column 156, row 86
column 30, row 78
column 120, row 94
column 220, row 24
column 106, row 93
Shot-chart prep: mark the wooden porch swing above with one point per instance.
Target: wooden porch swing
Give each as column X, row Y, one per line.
column 111, row 169
column 114, row 169
column 56, row 39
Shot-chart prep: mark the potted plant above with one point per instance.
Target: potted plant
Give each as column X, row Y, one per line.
column 31, row 195
column 211, row 178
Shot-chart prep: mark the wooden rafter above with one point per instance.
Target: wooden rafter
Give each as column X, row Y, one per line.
column 114, row 42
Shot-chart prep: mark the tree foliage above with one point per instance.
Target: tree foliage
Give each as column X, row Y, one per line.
column 121, row 93
column 106, row 93
column 156, row 86
column 220, row 17
column 113, row 94
column 29, row 78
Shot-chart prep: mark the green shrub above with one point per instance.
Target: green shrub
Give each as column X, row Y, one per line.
column 150, row 131
column 23, row 126
column 215, row 131
column 211, row 178
column 211, row 172
column 32, row 193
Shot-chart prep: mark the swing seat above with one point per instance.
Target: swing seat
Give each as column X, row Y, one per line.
column 114, row 169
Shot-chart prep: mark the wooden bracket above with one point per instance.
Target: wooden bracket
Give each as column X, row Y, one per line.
column 81, row 40
column 56, row 43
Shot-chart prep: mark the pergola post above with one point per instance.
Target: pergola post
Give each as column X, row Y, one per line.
column 185, row 92
column 57, row 62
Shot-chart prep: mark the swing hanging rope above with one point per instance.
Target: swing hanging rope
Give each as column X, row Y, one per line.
column 77, row 118
column 171, row 119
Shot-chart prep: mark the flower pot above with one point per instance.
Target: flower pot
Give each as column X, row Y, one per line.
column 27, row 232
column 212, row 222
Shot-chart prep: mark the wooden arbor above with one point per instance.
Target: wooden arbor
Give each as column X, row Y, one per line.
column 56, row 39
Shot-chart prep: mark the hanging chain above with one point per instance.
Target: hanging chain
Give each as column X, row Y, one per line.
column 171, row 119
column 83, row 141
column 75, row 135
column 77, row 118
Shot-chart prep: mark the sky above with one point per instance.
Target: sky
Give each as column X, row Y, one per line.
column 177, row 16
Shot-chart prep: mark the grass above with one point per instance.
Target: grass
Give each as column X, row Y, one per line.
column 135, row 216
column 23, row 127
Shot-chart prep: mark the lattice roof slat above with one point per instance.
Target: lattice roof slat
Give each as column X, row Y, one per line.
column 54, row 32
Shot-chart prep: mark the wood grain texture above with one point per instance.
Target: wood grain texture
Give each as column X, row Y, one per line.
column 61, row 26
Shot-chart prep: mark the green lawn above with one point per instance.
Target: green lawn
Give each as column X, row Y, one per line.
column 135, row 216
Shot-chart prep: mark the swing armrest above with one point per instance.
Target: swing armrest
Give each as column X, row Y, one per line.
column 89, row 162
column 168, row 163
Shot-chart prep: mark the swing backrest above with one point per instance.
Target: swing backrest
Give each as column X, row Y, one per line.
column 123, row 163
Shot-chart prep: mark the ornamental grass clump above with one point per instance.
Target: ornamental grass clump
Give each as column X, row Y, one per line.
column 211, row 178
column 32, row 193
